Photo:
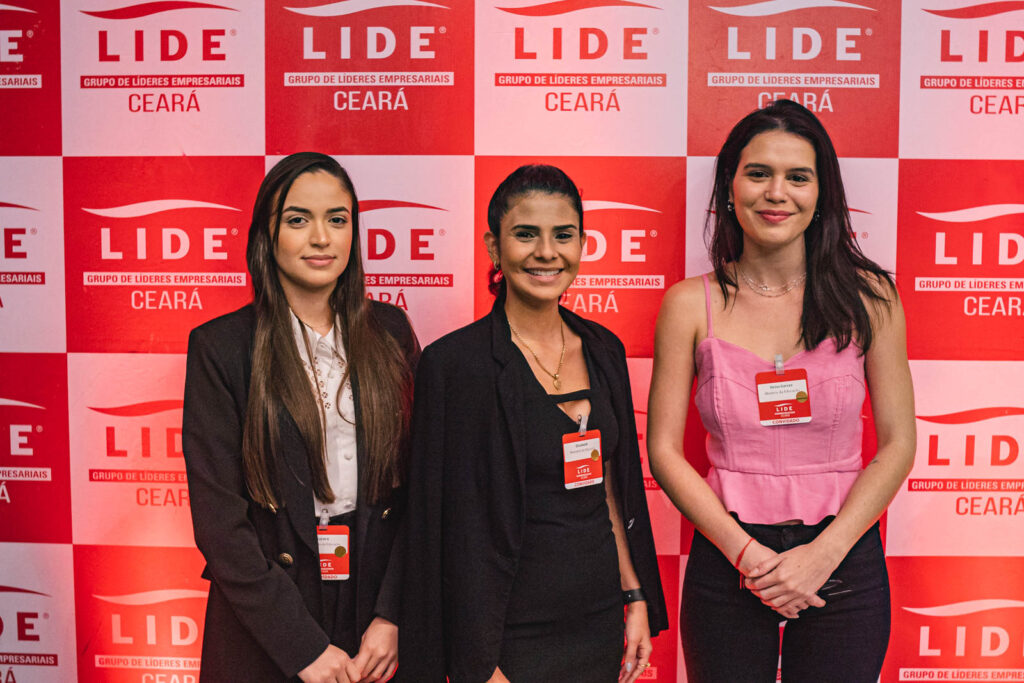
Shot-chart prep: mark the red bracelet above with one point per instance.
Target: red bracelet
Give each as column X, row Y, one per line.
column 739, row 558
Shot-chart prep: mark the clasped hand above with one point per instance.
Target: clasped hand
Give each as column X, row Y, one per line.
column 376, row 660
column 788, row 581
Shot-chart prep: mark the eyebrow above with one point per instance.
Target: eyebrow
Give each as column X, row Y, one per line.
column 799, row 169
column 530, row 226
column 299, row 209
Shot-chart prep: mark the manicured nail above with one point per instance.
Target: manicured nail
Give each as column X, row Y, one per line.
column 629, row 667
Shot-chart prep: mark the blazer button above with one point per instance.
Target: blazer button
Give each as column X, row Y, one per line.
column 386, row 513
column 285, row 560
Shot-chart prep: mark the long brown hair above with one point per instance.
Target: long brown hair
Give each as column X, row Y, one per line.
column 278, row 381
column 839, row 275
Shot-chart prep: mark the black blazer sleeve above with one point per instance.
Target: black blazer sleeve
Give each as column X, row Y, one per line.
column 633, row 503
column 262, row 596
column 389, row 599
column 421, row 638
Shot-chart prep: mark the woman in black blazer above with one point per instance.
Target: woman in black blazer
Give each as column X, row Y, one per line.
column 295, row 441
column 526, row 539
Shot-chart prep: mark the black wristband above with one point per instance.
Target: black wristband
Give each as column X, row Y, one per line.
column 633, row 595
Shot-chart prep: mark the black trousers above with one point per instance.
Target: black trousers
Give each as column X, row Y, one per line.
column 729, row 636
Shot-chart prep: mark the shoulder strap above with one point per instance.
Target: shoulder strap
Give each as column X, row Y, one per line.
column 707, row 304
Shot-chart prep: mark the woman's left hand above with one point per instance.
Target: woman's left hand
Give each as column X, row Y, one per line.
column 638, row 642
column 377, row 658
column 789, row 581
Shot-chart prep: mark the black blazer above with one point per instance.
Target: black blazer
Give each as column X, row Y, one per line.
column 264, row 612
column 466, row 507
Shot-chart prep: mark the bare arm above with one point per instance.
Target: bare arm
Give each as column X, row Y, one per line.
column 638, row 630
column 679, row 327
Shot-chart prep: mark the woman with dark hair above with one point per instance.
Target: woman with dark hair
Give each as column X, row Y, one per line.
column 784, row 338
column 295, row 435
column 528, row 521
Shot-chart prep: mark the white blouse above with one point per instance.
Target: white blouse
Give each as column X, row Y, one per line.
column 325, row 373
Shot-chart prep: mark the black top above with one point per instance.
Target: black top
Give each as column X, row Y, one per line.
column 564, row 526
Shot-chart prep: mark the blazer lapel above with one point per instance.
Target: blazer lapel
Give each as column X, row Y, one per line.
column 362, row 509
column 296, row 482
column 509, row 389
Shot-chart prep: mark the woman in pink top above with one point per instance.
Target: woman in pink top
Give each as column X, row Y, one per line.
column 783, row 338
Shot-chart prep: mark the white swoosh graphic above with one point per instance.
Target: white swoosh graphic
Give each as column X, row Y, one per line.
column 764, row 9
column 155, row 206
column 19, row 404
column 12, row 8
column 957, row 609
column 975, row 213
column 340, row 9
column 599, row 204
column 151, row 597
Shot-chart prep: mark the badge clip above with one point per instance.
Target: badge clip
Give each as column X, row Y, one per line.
column 324, row 518
column 778, row 364
column 581, row 420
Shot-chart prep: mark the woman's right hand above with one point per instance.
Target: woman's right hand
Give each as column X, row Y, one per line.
column 498, row 677
column 332, row 666
column 759, row 561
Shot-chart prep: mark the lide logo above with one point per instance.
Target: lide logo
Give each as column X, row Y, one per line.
column 166, row 78
column 384, row 69
column 965, row 76
column 585, row 61
column 148, row 261
column 30, row 77
column 830, row 56
column 142, row 448
column 191, row 46
column 26, row 635
column 14, row 250
column 956, row 619
column 965, row 495
column 34, row 480
column 142, row 611
column 972, row 270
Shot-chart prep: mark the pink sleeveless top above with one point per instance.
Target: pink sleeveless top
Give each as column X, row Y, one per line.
column 768, row 475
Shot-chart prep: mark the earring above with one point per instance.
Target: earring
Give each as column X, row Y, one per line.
column 497, row 266
column 729, row 207
column 817, row 215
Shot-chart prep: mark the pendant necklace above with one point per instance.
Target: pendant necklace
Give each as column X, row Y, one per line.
column 555, row 381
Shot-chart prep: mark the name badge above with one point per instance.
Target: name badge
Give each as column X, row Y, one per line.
column 332, row 541
column 782, row 398
column 582, row 455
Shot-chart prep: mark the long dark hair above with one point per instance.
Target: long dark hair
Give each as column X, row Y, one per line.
column 838, row 272
column 521, row 182
column 279, row 382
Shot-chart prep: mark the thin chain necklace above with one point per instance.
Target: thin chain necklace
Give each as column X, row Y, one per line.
column 763, row 289
column 555, row 382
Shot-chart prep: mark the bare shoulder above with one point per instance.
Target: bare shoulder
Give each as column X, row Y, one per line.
column 682, row 309
column 685, row 296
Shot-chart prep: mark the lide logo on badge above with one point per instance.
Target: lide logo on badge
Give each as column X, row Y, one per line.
column 582, row 458
column 782, row 398
column 332, row 543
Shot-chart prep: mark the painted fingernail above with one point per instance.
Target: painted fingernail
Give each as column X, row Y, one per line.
column 629, row 667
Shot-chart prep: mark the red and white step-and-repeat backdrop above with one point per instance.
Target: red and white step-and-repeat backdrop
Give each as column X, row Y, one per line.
column 133, row 136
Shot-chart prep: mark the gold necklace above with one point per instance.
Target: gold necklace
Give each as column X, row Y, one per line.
column 555, row 382
column 764, row 290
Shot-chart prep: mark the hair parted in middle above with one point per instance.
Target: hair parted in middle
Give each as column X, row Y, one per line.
column 838, row 272
column 523, row 181
column 278, row 381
